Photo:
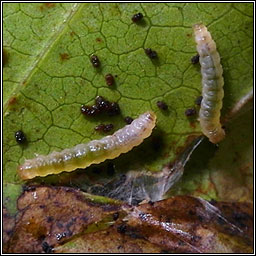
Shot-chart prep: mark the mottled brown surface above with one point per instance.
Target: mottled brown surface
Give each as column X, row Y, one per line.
column 53, row 215
column 59, row 219
column 239, row 215
column 108, row 241
column 185, row 224
column 9, row 223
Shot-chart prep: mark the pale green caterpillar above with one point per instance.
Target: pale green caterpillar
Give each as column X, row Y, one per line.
column 94, row 152
column 212, row 85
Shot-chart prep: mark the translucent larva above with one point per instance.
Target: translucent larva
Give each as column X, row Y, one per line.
column 212, row 85
column 96, row 151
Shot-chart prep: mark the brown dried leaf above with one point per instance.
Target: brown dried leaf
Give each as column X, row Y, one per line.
column 108, row 241
column 60, row 219
column 9, row 223
column 53, row 215
column 185, row 224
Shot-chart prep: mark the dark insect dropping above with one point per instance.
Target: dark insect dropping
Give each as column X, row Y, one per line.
column 113, row 109
column 47, row 248
column 122, row 228
column 95, row 61
column 198, row 100
column 104, row 127
column 99, row 127
column 151, row 54
column 94, row 110
column 195, row 59
column 128, row 120
column 137, row 17
column 102, row 104
column 28, row 188
column 20, row 137
column 162, row 105
column 89, row 110
column 190, row 112
column 108, row 127
column 109, row 79
column 115, row 216
column 85, row 110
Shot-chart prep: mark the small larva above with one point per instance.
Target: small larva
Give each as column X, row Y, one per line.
column 94, row 152
column 212, row 85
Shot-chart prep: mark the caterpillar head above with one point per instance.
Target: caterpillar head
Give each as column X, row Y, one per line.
column 217, row 135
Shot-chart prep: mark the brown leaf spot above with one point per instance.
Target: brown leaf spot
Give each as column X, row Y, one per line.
column 46, row 6
column 49, row 5
column 8, row 226
column 72, row 33
column 53, row 215
column 98, row 39
column 192, row 125
column 199, row 225
column 64, row 56
column 12, row 101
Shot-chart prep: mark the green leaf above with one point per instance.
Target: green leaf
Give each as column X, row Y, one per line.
column 48, row 74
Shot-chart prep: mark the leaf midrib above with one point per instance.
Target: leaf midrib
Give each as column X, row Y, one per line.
column 45, row 50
